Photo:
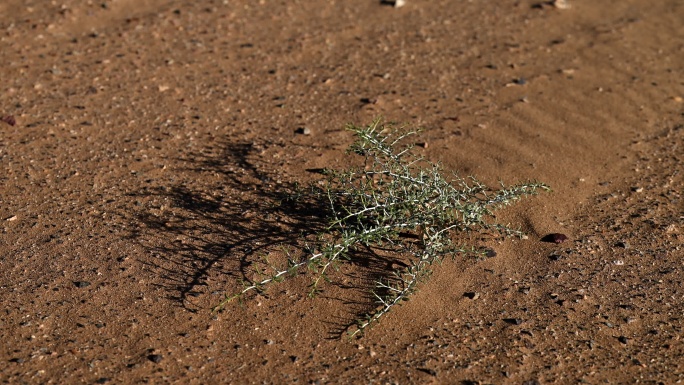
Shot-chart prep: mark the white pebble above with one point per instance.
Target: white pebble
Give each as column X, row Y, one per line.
column 561, row 4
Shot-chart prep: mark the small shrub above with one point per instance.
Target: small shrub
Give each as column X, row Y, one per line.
column 402, row 203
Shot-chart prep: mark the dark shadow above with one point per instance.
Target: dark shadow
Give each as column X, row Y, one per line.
column 369, row 267
column 554, row 238
column 542, row 4
column 208, row 234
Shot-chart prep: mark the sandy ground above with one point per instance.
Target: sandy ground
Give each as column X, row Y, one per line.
column 145, row 146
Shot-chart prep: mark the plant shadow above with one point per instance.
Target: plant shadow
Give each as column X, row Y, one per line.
column 207, row 235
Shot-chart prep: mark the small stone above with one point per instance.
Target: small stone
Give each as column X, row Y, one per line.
column 294, row 359
column 490, row 253
column 399, row 3
column 156, row 358
column 81, row 284
column 622, row 244
column 472, row 295
column 429, row 371
column 9, row 119
column 637, row 189
column 513, row 321
column 561, row 4
column 555, row 238
column 103, row 380
column 623, row 340
column 12, row 218
column 303, row 131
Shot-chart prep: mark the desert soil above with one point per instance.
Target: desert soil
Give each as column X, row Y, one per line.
column 145, row 146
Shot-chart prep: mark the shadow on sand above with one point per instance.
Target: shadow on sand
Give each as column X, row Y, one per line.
column 205, row 240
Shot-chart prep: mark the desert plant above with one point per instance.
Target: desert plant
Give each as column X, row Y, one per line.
column 400, row 202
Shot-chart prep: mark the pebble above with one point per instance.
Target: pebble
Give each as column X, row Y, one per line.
column 555, row 238
column 9, row 119
column 156, row 358
column 561, row 4
column 472, row 295
column 622, row 244
column 637, row 189
column 513, row 321
column 429, row 371
column 303, row 131
column 399, row 3
column 81, row 284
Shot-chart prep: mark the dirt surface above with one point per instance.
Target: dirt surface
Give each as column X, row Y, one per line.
column 145, row 147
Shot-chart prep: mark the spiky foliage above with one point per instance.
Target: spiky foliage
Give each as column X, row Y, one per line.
column 394, row 194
